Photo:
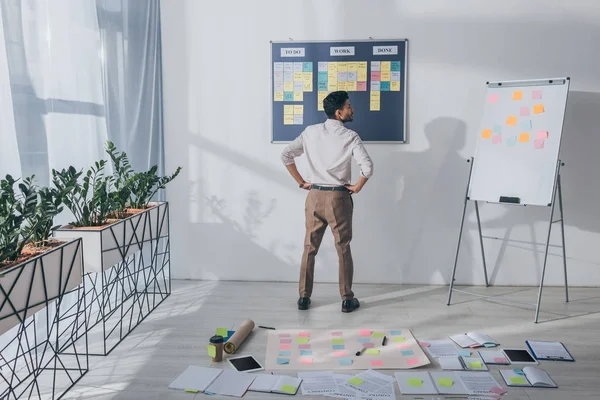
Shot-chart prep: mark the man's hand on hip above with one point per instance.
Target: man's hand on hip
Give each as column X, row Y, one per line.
column 358, row 186
column 305, row 185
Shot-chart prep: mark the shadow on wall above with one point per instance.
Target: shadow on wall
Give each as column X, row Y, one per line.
column 415, row 205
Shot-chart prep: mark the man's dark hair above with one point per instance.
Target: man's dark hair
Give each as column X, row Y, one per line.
column 334, row 101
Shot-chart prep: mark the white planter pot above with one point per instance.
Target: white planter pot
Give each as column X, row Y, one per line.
column 29, row 286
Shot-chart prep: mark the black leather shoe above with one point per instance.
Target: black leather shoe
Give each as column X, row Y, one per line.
column 303, row 303
column 350, row 305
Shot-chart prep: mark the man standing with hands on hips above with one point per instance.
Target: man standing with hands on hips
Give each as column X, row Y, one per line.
column 329, row 148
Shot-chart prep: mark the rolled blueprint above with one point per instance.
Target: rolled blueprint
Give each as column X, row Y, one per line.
column 239, row 336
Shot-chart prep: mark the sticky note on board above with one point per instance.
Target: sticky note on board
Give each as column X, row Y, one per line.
column 415, row 382
column 281, row 361
column 298, row 109
column 288, row 120
column 524, row 112
column 288, row 389
column 493, row 98
column 356, row 381
column 307, row 67
column 542, row 134
column 511, row 141
column 378, row 334
column 212, row 350
column 377, row 363
column 337, row 341
column 525, row 124
column 486, row 134
column 497, row 390
column 524, row 137
column 395, row 66
column 402, row 346
column 375, row 105
column 518, row 380
column 538, row 109
column 362, row 86
column 278, row 96
column 306, row 352
column 445, row 382
column 496, row 139
column 395, row 86
column 511, row 120
column 345, row 361
column 306, row 360
column 288, row 110
column 373, row 351
column 302, row 340
column 536, row 94
column 538, row 144
column 517, row 95
column 497, row 128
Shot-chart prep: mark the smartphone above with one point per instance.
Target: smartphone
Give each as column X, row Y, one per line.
column 245, row 363
column 519, row 356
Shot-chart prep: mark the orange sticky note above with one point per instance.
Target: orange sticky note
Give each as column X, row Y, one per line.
column 511, row 120
column 518, row 95
column 538, row 109
column 524, row 137
column 486, row 134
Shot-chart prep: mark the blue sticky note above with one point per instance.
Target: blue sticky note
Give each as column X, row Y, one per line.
column 345, row 361
column 395, row 66
column 338, row 347
column 489, row 345
column 464, row 353
column 385, row 86
column 323, row 77
column 307, row 67
column 285, row 353
column 511, row 141
column 408, row 353
column 288, row 96
column 322, row 86
column 306, row 352
column 526, row 124
column 395, row 333
column 364, row 340
column 283, row 361
column 497, row 128
column 518, row 371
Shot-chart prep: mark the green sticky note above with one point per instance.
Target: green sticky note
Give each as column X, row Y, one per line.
column 302, row 340
column 415, row 382
column 378, row 334
column 288, row 389
column 373, row 351
column 399, row 339
column 445, row 382
column 356, row 381
column 222, row 332
column 212, row 350
column 475, row 364
column 518, row 380
column 337, row 341
column 192, row 390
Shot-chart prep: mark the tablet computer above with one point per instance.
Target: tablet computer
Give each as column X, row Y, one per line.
column 519, row 356
column 245, row 363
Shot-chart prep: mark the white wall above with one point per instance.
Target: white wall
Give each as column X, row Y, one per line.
column 238, row 215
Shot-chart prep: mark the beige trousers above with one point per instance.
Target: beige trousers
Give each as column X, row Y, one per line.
column 334, row 209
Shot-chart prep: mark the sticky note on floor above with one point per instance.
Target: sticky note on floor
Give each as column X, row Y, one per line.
column 345, row 361
column 306, row 352
column 284, row 335
column 413, row 361
column 285, row 347
column 285, row 353
column 373, row 351
column 303, row 346
column 288, row 389
column 486, row 134
column 212, row 350
column 285, row 341
column 524, row 137
column 338, row 347
column 304, row 334
column 518, row 95
column 364, row 340
column 395, row 333
column 337, row 341
column 475, row 364
column 518, row 380
column 368, row 345
column 365, row 332
column 511, row 120
column 378, row 334
column 377, row 363
column 416, row 382
column 538, row 109
column 407, row 353
column 336, row 333
column 445, row 382
column 340, row 353
column 356, row 381
column 464, row 353
column 399, row 339
column 302, row 340
column 306, row 360
column 222, row 332
column 402, row 346
column 281, row 361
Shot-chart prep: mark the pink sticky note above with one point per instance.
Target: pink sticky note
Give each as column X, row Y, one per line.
column 497, row 390
column 304, row 334
column 496, row 139
column 375, row 76
column 474, row 345
column 361, row 86
column 424, row 344
column 339, row 353
column 285, row 341
column 303, row 347
column 306, row 360
column 377, row 363
column 368, row 345
column 403, row 345
column 285, row 347
column 542, row 134
column 538, row 144
column 284, row 335
column 493, row 98
column 413, row 361
column 365, row 332
column 500, row 360
column 536, row 94
column 336, row 333
column 524, row 111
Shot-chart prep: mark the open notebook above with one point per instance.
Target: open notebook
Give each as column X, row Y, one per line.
column 528, row 377
column 474, row 339
column 472, row 363
column 213, row 380
column 275, row 384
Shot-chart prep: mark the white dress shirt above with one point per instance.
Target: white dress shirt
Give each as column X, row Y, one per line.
column 329, row 149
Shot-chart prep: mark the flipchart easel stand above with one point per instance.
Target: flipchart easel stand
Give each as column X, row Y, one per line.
column 556, row 197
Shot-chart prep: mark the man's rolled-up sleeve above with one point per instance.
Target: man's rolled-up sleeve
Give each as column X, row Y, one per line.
column 293, row 150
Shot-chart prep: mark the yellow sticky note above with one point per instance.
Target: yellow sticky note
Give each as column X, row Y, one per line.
column 332, row 67
column 191, row 390
column 222, row 332
column 288, row 86
column 445, row 382
column 332, row 87
column 351, row 86
column 298, row 96
column 399, row 339
column 386, row 66
column 375, row 105
column 518, row 380
column 307, row 86
column 288, row 389
column 356, row 381
column 302, row 340
column 395, row 86
column 524, row 137
column 538, row 109
column 342, row 66
column 486, row 134
column 373, row 351
column 298, row 110
column 298, row 77
column 320, row 97
column 362, row 65
column 288, row 120
column 278, row 96
column 375, row 95
column 342, row 85
column 361, row 75
column 386, row 76
column 511, row 120
column 418, row 382
column 212, row 350
column 518, row 95
column 288, row 109
column 352, row 66
column 307, row 79
column 475, row 364
column 378, row 334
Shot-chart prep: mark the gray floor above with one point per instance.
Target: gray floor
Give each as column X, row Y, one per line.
column 175, row 335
